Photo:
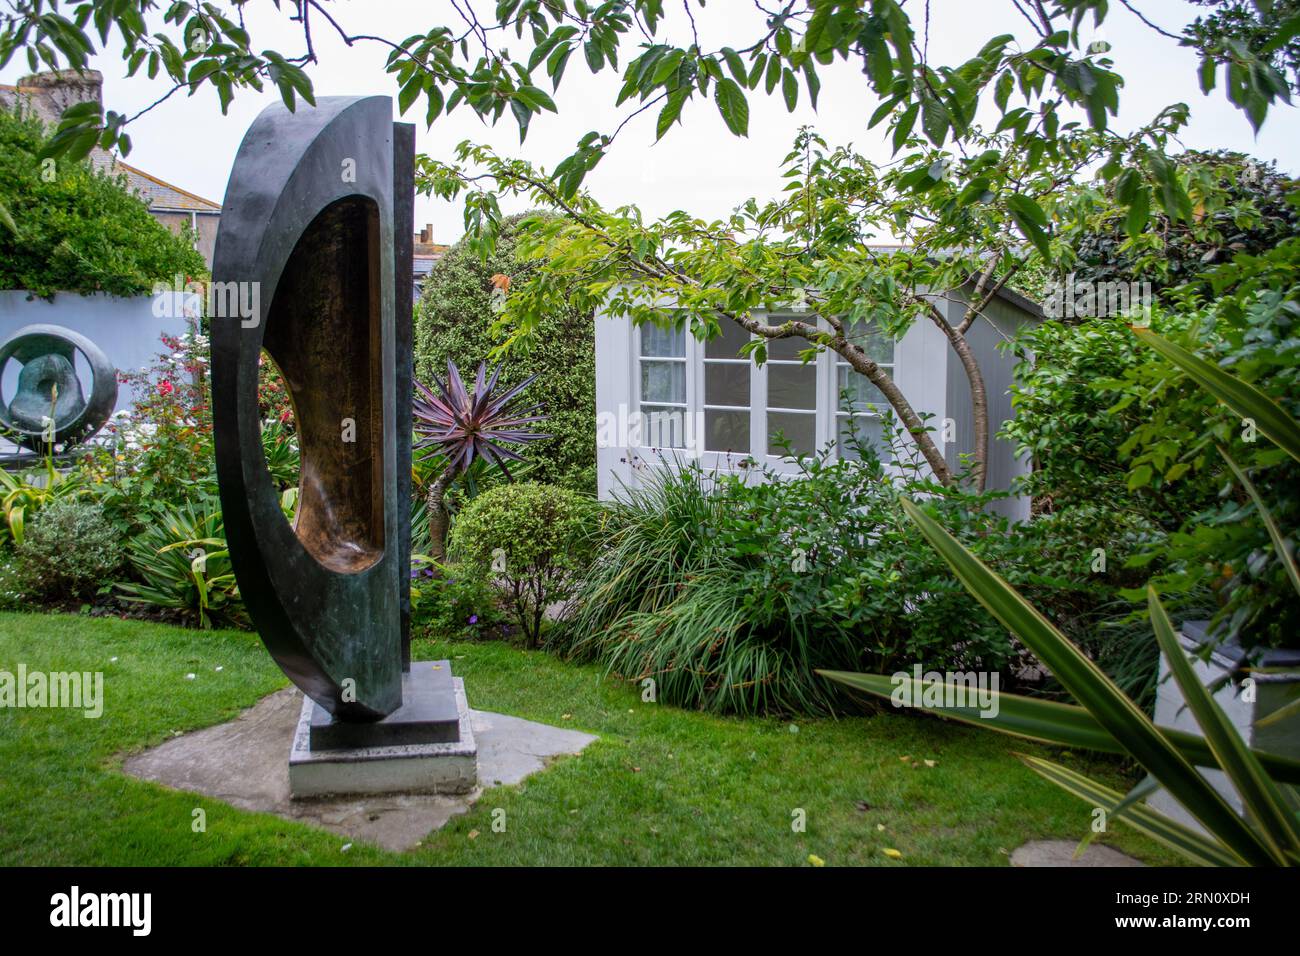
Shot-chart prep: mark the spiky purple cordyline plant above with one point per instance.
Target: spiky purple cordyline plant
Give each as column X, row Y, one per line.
column 463, row 425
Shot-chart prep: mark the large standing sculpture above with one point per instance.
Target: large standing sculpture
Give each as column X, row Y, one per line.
column 315, row 242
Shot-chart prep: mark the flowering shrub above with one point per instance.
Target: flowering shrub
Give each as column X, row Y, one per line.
column 453, row 600
column 160, row 451
column 165, row 441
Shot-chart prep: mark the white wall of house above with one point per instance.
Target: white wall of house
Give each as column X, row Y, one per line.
column 126, row 329
column 726, row 407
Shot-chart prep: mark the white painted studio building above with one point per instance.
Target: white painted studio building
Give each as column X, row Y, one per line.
column 665, row 397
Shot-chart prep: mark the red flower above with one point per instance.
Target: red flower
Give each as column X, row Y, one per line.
column 165, row 387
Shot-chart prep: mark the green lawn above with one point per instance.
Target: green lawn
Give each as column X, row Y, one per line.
column 661, row 786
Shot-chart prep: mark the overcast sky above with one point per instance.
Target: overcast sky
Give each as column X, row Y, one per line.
column 699, row 166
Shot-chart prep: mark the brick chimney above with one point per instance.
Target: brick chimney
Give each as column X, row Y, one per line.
column 48, row 94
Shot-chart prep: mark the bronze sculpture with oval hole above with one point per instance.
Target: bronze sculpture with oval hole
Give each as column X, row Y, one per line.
column 316, row 232
column 49, row 409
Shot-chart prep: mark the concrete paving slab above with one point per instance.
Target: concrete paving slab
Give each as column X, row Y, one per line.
column 245, row 763
column 1061, row 853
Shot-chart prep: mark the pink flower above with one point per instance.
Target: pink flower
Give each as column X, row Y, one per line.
column 165, row 387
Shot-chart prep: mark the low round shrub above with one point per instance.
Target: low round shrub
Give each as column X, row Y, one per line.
column 531, row 539
column 455, row 601
column 68, row 551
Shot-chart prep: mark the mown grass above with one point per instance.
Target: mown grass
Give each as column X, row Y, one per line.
column 661, row 786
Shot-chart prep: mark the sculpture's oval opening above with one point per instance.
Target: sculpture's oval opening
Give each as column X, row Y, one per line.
column 324, row 334
column 279, row 428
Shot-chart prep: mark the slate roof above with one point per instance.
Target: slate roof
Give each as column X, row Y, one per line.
column 161, row 196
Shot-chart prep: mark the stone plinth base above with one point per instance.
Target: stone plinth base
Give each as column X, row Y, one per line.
column 450, row 766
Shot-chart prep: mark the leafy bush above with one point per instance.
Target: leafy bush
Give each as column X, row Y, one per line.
column 1116, row 431
column 531, row 539
column 81, row 231
column 1241, row 206
column 452, row 321
column 1253, row 333
column 182, row 565
column 453, row 601
column 1075, row 411
column 69, row 550
column 729, row 594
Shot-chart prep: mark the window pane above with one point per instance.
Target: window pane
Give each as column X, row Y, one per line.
column 663, row 343
column 877, row 343
column 787, row 349
column 862, row 393
column 729, row 343
column 663, row 381
column 792, row 386
column 798, row 428
column 726, row 383
column 726, row 431
column 663, row 427
column 870, row 431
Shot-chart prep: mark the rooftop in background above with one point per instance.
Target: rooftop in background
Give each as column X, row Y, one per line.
column 48, row 94
column 427, row 252
column 161, row 196
column 425, row 247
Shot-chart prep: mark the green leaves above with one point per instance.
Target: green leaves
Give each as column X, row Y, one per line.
column 789, row 90
column 1274, row 532
column 1242, row 397
column 1032, row 221
column 1139, row 212
column 671, row 112
column 1118, row 715
column 733, row 106
column 77, row 133
column 1253, row 84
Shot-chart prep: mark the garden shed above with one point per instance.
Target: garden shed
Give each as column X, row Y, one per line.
column 664, row 397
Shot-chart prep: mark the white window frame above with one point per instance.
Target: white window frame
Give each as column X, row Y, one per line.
column 827, row 412
column 638, row 359
column 874, row 416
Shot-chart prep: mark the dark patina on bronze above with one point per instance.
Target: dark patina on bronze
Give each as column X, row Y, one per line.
column 316, row 202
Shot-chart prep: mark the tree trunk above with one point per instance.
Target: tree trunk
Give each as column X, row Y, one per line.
column 439, row 519
column 878, row 377
column 979, row 405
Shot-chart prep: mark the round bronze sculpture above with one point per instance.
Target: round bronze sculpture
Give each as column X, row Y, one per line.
column 304, row 271
column 49, row 407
